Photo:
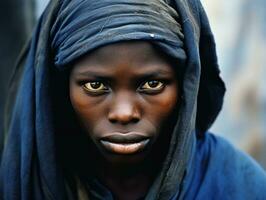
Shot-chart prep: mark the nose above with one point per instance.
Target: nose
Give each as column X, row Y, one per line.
column 124, row 110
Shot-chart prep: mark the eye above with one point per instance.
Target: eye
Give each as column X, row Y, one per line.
column 95, row 86
column 152, row 86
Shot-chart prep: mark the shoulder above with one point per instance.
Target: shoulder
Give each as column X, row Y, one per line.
column 218, row 149
column 230, row 172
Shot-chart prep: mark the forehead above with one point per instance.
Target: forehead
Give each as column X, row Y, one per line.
column 138, row 55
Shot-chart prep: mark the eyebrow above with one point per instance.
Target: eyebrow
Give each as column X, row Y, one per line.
column 138, row 76
column 150, row 75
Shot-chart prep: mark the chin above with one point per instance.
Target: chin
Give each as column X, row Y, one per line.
column 122, row 160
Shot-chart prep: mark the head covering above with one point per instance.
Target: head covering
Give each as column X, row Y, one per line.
column 68, row 30
column 82, row 26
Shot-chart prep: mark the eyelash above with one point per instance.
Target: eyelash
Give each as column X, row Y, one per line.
column 92, row 91
column 155, row 90
column 140, row 89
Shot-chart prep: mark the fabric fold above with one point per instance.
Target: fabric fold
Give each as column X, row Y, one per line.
column 85, row 25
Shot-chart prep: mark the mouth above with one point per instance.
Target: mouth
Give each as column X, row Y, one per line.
column 125, row 143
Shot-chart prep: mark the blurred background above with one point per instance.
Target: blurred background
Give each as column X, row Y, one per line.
column 240, row 31
column 240, row 35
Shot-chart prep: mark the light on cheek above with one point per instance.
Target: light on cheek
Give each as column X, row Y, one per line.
column 169, row 99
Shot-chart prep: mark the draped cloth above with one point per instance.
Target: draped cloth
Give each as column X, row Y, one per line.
column 82, row 26
column 67, row 30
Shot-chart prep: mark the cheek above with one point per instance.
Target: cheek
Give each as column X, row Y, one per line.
column 86, row 108
column 162, row 106
column 78, row 100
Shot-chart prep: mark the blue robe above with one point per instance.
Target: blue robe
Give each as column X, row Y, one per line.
column 198, row 165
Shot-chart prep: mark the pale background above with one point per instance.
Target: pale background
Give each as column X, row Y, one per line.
column 240, row 30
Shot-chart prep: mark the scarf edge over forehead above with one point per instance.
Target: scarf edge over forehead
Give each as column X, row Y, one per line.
column 29, row 168
column 82, row 26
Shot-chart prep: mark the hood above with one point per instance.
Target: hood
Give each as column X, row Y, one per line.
column 29, row 166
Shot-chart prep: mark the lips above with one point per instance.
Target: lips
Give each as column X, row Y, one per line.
column 124, row 143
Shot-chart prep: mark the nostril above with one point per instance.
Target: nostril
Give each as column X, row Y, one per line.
column 123, row 118
column 112, row 120
column 135, row 120
column 124, row 112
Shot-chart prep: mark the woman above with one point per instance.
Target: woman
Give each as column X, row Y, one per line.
column 114, row 102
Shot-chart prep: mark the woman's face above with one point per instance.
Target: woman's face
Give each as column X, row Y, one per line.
column 123, row 94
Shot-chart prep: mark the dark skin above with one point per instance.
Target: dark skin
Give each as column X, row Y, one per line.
column 123, row 95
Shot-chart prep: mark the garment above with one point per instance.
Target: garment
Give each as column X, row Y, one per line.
column 31, row 167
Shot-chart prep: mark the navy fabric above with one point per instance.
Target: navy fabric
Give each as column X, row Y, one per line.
column 215, row 176
column 85, row 25
column 222, row 172
column 197, row 164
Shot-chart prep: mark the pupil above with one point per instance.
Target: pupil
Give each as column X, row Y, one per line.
column 95, row 85
column 153, row 83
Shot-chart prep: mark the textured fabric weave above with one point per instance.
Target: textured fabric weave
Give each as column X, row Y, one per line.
column 194, row 165
column 85, row 25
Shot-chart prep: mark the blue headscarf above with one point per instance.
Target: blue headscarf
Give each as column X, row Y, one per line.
column 67, row 30
column 82, row 26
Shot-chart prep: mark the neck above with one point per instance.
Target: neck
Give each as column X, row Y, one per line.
column 127, row 181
